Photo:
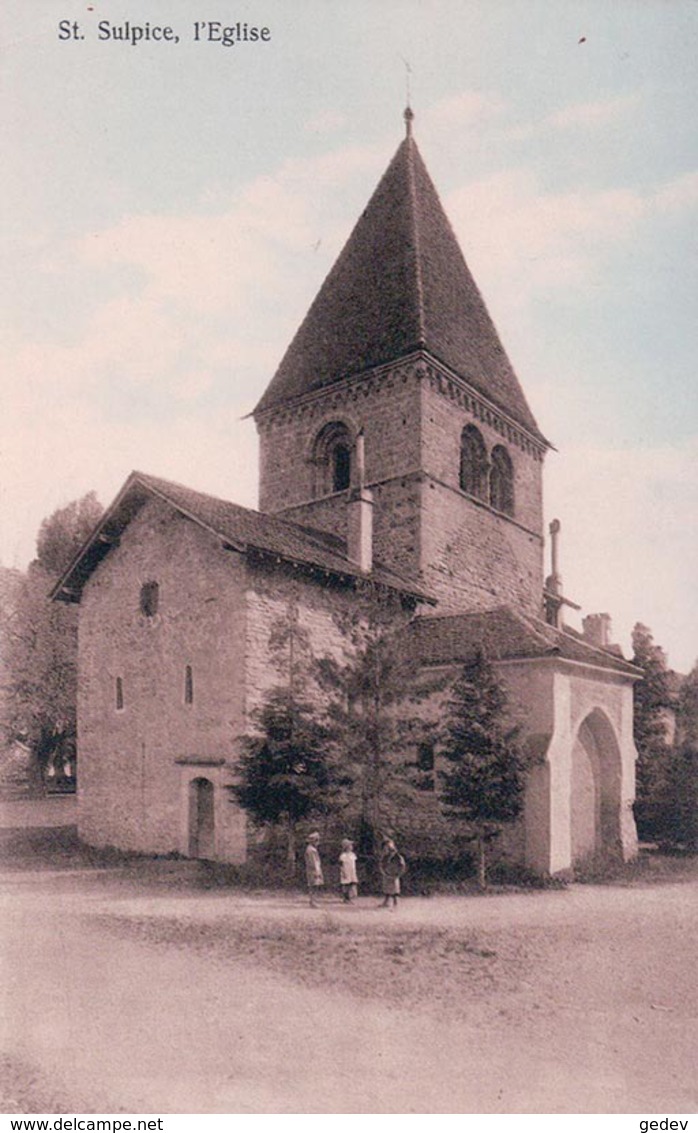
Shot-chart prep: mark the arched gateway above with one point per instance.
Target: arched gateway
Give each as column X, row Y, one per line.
column 595, row 788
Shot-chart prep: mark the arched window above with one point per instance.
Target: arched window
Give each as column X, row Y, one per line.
column 502, row 481
column 332, row 459
column 341, row 467
column 473, row 463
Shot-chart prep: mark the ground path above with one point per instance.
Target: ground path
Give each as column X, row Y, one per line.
column 141, row 992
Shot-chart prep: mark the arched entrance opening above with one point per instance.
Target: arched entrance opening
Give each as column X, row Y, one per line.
column 201, row 819
column 595, row 784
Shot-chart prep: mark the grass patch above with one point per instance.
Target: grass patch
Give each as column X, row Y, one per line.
column 650, row 867
column 425, row 967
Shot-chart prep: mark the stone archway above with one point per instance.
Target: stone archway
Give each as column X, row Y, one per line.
column 201, row 819
column 595, row 789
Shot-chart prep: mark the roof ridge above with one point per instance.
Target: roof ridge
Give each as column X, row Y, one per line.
column 411, row 149
column 235, row 526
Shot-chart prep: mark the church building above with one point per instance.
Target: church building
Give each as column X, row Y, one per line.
column 398, row 459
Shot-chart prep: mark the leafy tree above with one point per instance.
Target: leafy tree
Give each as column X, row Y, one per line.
column 652, row 703
column 682, row 778
column 484, row 784
column 687, row 709
column 39, row 702
column 681, row 811
column 63, row 533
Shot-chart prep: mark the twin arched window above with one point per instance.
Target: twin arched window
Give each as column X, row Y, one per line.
column 473, row 463
column 502, row 481
column 332, row 459
column 488, row 479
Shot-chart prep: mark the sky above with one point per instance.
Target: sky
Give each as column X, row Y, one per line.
column 171, row 209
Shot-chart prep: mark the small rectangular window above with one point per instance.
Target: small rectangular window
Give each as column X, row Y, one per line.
column 150, row 598
column 188, row 685
column 119, row 693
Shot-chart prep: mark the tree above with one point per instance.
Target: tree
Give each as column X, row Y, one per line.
column 682, row 778
column 372, row 699
column 687, row 709
column 39, row 705
column 63, row 533
column 287, row 771
column 484, row 784
column 652, row 705
column 284, row 773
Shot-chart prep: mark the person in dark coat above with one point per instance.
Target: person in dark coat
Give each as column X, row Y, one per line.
column 392, row 867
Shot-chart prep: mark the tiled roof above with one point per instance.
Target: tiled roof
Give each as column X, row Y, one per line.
column 240, row 528
column 502, row 635
column 400, row 284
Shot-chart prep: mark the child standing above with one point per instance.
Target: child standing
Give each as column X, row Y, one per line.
column 313, row 868
column 392, row 867
column 348, row 879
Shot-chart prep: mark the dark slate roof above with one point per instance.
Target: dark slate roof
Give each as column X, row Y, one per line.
column 400, row 284
column 239, row 528
column 502, row 634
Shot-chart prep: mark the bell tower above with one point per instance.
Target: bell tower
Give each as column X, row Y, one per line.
column 398, row 347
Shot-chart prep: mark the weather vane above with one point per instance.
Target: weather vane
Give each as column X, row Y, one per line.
column 408, row 72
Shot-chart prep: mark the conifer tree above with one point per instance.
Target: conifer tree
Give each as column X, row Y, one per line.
column 287, row 770
column 484, row 782
column 376, row 725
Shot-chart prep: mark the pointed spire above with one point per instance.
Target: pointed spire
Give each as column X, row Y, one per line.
column 399, row 285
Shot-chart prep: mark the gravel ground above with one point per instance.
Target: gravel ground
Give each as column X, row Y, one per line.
column 135, row 988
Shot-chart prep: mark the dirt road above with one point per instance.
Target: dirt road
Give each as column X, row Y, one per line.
column 149, row 994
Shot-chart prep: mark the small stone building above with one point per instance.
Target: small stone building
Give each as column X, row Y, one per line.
column 398, row 459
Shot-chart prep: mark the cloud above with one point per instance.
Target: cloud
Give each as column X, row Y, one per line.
column 327, row 121
column 678, row 195
column 628, row 542
column 463, row 109
column 73, row 449
column 583, row 116
column 600, row 112
column 524, row 240
column 185, row 312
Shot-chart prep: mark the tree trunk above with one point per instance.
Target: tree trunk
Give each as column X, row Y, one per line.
column 291, row 847
column 481, row 862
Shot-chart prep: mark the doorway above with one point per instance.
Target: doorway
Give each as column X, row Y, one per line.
column 201, row 819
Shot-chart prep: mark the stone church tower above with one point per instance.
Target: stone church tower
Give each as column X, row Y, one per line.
column 399, row 346
column 399, row 458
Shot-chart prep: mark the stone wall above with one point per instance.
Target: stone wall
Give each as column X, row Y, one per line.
column 216, row 613
column 567, row 709
column 130, row 784
column 472, row 558
column 386, row 405
column 425, row 527
column 320, row 615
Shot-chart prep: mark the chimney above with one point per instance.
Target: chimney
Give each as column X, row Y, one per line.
column 597, row 630
column 360, row 516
